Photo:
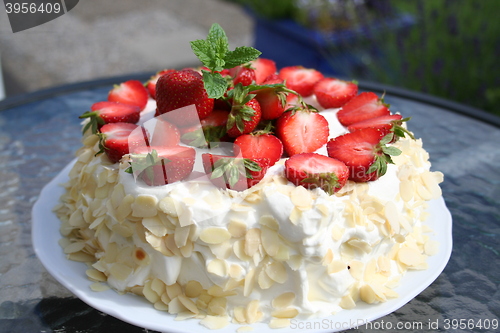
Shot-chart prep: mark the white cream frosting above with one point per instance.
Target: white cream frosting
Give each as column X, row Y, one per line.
column 273, row 239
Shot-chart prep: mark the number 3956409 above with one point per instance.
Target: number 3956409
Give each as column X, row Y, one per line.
column 32, row 8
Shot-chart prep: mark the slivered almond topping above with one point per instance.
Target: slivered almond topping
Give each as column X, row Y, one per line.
column 169, row 206
column 336, row 266
column 98, row 287
column 237, row 228
column 410, row 257
column 181, row 236
column 406, row 190
column 270, row 222
column 175, row 306
column 218, row 267
column 158, row 286
column 367, row 294
column 120, row 271
column 328, row 258
column 284, row 300
column 431, row 247
column 214, row 322
column 251, row 311
column 217, row 291
column 277, row 272
column 265, row 282
column 252, row 241
column 239, row 250
column 160, row 306
column 149, row 293
column 193, row 288
column 74, row 247
column 217, row 306
column 235, row 271
column 214, row 235
column 174, row 290
column 301, row 198
column 347, row 302
column 96, row 275
column 295, row 262
column 279, row 323
column 222, row 251
column 392, row 216
column 155, row 226
column 188, row 304
column 164, row 298
column 144, row 206
column 239, row 314
column 285, row 313
column 270, row 241
column 249, row 282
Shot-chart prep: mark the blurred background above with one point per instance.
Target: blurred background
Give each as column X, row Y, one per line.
column 447, row 48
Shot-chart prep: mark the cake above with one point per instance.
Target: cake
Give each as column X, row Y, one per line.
column 287, row 196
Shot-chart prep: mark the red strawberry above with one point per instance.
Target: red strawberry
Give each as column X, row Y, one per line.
column 164, row 133
column 257, row 145
column 313, row 170
column 302, row 131
column 300, row 79
column 130, row 92
column 210, row 129
column 273, row 102
column 273, row 79
column 179, row 89
column 244, row 75
column 110, row 112
column 159, row 165
column 333, row 93
column 234, row 173
column 263, row 69
column 244, row 116
column 364, row 152
column 151, row 84
column 118, row 139
column 362, row 107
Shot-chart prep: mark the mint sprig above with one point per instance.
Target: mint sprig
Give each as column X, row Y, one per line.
column 215, row 55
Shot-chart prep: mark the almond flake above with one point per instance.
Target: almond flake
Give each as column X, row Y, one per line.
column 98, row 287
column 270, row 241
column 218, row 267
column 392, row 215
column 249, row 282
column 251, row 311
column 336, row 266
column 285, row 313
column 239, row 314
column 214, row 235
column 237, row 228
column 410, row 257
column 235, row 271
column 252, row 241
column 277, row 272
column 175, row 306
column 367, row 294
column 217, row 291
column 406, row 190
column 356, row 269
column 276, row 323
column 347, row 303
column 96, row 275
column 301, row 198
column 284, row 300
column 155, row 226
column 158, row 286
column 144, row 206
column 239, row 250
column 217, row 306
column 214, row 322
column 181, row 236
column 265, row 282
column 431, row 247
column 244, row 329
column 168, row 206
column 270, row 222
column 149, row 293
column 74, row 247
column 173, row 290
column 193, row 288
column 188, row 304
column 120, row 271
column 295, row 262
column 160, row 306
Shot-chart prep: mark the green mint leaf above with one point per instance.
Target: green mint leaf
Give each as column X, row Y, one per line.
column 203, row 51
column 240, row 55
column 215, row 84
column 219, row 42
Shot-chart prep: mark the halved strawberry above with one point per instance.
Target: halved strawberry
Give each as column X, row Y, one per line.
column 365, row 152
column 151, row 84
column 210, row 129
column 313, row 170
column 302, row 131
column 234, row 173
column 118, row 139
column 164, row 133
column 257, row 145
column 333, row 93
column 178, row 89
column 110, row 112
column 159, row 165
column 130, row 92
column 300, row 79
column 386, row 124
column 362, row 107
column 263, row 69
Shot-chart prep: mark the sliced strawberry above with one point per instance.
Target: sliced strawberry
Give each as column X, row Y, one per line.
column 234, row 173
column 159, row 165
column 257, row 145
column 302, row 131
column 365, row 153
column 313, row 170
column 110, row 112
column 362, row 107
column 118, row 139
column 164, row 134
column 300, row 79
column 178, row 89
column 210, row 129
column 244, row 75
column 333, row 93
column 273, row 79
column 151, row 84
column 263, row 69
column 130, row 92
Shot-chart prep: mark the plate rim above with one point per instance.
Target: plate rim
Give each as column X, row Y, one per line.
column 42, row 212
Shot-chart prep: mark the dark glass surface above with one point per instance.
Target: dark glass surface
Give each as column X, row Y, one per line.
column 39, row 134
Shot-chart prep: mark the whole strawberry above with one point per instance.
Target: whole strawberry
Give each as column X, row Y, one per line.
column 118, row 139
column 178, row 89
column 245, row 112
column 130, row 92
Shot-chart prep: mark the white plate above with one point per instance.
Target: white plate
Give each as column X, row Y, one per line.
column 138, row 311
